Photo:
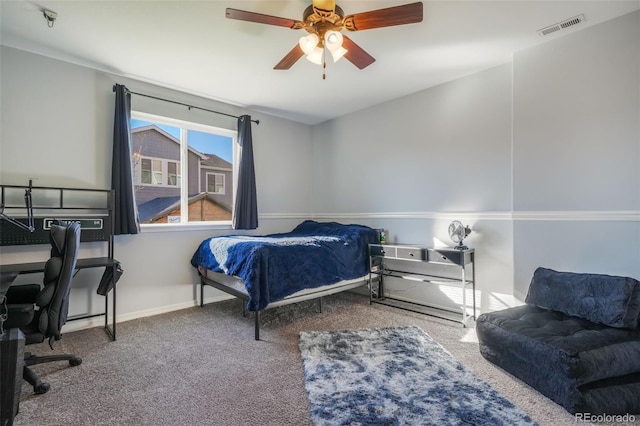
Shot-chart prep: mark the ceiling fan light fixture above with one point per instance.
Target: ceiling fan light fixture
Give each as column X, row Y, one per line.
column 315, row 55
column 333, row 41
column 309, row 43
column 338, row 53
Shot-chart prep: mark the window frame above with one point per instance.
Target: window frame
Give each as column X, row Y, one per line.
column 164, row 172
column 184, row 127
column 149, row 171
column 177, row 174
column 214, row 175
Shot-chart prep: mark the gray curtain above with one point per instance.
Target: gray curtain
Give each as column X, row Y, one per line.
column 245, row 214
column 125, row 209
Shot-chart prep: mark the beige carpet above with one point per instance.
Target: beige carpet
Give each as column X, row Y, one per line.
column 201, row 366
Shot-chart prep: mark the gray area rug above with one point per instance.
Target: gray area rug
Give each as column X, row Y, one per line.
column 395, row 376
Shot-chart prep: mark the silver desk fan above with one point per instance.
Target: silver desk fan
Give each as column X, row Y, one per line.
column 458, row 232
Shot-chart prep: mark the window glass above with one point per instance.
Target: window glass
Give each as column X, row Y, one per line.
column 156, row 170
column 150, row 171
column 215, row 183
column 145, row 176
column 173, row 173
column 183, row 172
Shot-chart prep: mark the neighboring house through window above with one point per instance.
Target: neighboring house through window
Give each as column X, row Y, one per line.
column 215, row 183
column 173, row 173
column 183, row 172
column 151, row 171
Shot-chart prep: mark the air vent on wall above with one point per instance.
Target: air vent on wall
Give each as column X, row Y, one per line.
column 562, row 25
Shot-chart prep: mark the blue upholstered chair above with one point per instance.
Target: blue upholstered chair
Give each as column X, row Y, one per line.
column 576, row 340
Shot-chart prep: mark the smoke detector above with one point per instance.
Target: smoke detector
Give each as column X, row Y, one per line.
column 562, row 25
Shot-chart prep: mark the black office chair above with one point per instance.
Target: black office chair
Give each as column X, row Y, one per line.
column 40, row 312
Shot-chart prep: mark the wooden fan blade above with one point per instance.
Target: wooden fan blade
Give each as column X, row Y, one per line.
column 290, row 58
column 356, row 54
column 397, row 15
column 325, row 5
column 243, row 15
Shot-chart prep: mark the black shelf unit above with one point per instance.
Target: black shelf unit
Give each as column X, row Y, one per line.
column 92, row 208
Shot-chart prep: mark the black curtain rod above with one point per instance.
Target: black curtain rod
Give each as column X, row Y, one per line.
column 187, row 105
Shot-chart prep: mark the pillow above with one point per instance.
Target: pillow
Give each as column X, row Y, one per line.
column 604, row 299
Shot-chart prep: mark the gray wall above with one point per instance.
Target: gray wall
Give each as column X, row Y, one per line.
column 56, row 127
column 576, row 152
column 541, row 157
column 413, row 165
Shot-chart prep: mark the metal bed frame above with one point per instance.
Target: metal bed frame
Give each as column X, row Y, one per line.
column 235, row 287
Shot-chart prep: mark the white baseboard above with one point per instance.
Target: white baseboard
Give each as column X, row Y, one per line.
column 83, row 324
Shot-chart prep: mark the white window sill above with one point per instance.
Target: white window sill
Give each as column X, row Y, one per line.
column 196, row 226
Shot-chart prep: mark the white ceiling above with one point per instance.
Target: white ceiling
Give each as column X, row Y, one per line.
column 190, row 46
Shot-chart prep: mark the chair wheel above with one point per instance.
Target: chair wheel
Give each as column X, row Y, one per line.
column 41, row 388
column 75, row 361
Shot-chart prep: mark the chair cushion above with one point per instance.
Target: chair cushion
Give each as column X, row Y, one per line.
column 24, row 293
column 579, row 364
column 52, row 270
column 20, row 309
column 19, row 315
column 604, row 299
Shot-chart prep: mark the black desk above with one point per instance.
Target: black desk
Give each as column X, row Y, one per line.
column 86, row 263
column 12, row 341
column 11, row 360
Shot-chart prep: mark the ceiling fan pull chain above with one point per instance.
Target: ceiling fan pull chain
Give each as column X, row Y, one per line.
column 324, row 62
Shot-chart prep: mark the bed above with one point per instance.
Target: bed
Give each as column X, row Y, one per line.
column 315, row 259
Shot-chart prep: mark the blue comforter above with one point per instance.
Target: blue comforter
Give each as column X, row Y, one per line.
column 277, row 265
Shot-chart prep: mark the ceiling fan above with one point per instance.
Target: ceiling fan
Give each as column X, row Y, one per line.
column 324, row 21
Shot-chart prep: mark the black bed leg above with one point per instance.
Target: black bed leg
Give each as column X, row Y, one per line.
column 257, row 325
column 201, row 294
column 320, row 298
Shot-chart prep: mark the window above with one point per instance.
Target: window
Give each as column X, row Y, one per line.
column 183, row 172
column 215, row 183
column 151, row 171
column 173, row 173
